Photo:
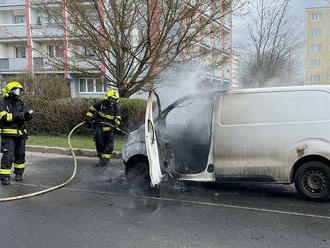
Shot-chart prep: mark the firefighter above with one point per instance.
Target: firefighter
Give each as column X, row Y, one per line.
column 13, row 114
column 98, row 115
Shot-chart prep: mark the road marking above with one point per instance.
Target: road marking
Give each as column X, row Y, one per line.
column 189, row 201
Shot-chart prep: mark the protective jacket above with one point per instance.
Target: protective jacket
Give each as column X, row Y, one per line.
column 101, row 113
column 106, row 112
column 12, row 117
column 13, row 136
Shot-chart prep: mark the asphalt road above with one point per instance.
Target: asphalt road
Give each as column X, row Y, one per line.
column 100, row 209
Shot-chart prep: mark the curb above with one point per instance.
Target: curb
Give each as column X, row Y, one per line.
column 67, row 151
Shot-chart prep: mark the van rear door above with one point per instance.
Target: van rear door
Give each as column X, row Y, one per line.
column 152, row 144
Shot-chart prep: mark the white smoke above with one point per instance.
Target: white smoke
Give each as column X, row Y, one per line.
column 188, row 125
column 179, row 81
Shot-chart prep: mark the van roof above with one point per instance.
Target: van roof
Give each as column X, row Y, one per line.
column 282, row 88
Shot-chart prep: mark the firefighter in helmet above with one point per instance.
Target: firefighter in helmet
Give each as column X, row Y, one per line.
column 13, row 115
column 99, row 115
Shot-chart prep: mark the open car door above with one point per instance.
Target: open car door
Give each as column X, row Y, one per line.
column 152, row 144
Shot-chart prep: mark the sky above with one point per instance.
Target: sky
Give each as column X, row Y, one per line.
column 298, row 10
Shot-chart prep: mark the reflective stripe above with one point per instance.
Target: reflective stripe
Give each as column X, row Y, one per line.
column 106, row 156
column 118, row 117
column 9, row 117
column 111, row 117
column 12, row 131
column 106, row 128
column 89, row 114
column 5, row 171
column 19, row 166
column 117, row 122
column 92, row 108
column 3, row 113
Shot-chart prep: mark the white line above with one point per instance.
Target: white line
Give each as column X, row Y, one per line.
column 194, row 202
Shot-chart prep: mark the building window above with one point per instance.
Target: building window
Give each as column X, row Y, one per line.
column 20, row 52
column 55, row 17
column 99, row 87
column 89, row 51
column 316, row 16
column 91, row 85
column 19, row 19
column 55, row 51
column 316, row 48
column 316, row 32
column 82, row 85
column 315, row 63
column 315, row 78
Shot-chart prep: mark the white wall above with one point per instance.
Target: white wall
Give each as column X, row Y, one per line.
column 6, row 17
column 3, row 51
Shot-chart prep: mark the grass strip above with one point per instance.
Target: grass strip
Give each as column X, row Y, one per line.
column 76, row 141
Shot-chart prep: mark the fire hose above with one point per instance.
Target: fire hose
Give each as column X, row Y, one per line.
column 73, row 173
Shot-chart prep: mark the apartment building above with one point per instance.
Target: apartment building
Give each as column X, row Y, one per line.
column 26, row 35
column 317, row 45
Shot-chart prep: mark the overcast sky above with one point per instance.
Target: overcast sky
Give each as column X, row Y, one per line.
column 298, row 9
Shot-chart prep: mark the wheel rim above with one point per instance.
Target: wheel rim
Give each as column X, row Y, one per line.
column 314, row 181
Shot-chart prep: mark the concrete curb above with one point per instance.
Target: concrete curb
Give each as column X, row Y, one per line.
column 67, row 151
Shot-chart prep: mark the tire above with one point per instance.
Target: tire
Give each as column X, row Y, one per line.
column 312, row 181
column 138, row 173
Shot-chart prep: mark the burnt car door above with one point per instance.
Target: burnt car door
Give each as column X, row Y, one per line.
column 152, row 148
column 178, row 141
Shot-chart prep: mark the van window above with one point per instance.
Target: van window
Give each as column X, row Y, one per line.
column 275, row 107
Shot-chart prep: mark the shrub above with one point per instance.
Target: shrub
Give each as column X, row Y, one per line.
column 52, row 86
column 59, row 116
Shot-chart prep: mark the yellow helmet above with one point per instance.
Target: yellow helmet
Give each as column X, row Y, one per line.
column 112, row 94
column 14, row 88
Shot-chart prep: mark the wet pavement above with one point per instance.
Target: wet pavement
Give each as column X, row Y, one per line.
column 100, row 209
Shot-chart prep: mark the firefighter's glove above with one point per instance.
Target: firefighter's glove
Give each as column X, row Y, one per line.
column 28, row 115
column 117, row 122
column 20, row 116
column 88, row 122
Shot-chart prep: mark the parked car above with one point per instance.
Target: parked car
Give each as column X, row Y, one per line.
column 265, row 135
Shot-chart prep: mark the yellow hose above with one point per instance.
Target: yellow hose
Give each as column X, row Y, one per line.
column 55, row 187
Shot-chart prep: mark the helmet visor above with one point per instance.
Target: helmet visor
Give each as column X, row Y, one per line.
column 112, row 98
column 17, row 91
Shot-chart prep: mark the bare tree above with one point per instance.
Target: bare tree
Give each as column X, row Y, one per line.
column 129, row 42
column 271, row 43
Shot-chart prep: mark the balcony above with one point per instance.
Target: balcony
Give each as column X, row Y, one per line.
column 12, row 2
column 13, row 64
column 46, row 31
column 217, row 46
column 21, row 64
column 45, row 1
column 84, row 65
column 13, row 31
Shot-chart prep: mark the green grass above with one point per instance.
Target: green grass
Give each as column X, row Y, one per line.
column 76, row 141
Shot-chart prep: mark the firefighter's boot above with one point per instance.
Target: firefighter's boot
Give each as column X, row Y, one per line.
column 104, row 162
column 5, row 181
column 18, row 177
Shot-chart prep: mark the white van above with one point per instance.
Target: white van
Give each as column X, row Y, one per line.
column 265, row 135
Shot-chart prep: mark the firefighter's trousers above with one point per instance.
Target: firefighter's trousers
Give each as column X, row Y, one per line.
column 13, row 153
column 104, row 139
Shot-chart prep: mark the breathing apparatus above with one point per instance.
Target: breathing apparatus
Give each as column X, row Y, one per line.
column 13, row 90
column 112, row 97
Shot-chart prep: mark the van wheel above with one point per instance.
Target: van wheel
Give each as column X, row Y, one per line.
column 138, row 173
column 312, row 181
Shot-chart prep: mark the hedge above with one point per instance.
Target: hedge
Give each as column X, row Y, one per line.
column 58, row 117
